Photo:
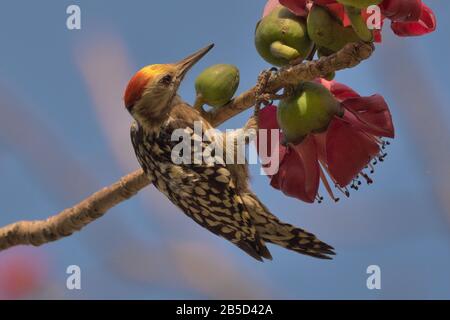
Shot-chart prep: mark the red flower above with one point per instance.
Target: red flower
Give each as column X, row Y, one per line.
column 425, row 23
column 343, row 151
column 409, row 17
column 21, row 273
column 404, row 10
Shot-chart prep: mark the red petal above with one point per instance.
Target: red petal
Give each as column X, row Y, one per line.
column 321, row 140
column 339, row 90
column 373, row 115
column 299, row 173
column 402, row 10
column 270, row 5
column 298, row 7
column 349, row 150
column 426, row 24
column 268, row 120
column 372, row 112
column 338, row 11
column 377, row 36
column 267, row 117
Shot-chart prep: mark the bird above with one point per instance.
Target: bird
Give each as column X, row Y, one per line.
column 216, row 195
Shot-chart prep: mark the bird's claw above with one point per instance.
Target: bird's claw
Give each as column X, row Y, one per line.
column 252, row 124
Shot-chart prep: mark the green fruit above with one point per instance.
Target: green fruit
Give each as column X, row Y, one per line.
column 359, row 25
column 326, row 31
column 309, row 110
column 217, row 84
column 359, row 3
column 281, row 37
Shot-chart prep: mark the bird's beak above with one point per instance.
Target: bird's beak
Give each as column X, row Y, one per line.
column 187, row 63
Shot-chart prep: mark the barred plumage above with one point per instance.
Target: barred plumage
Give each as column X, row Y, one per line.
column 216, row 196
column 213, row 195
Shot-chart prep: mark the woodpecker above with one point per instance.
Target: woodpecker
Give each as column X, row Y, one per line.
column 217, row 196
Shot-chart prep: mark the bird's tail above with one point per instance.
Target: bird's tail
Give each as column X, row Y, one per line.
column 272, row 230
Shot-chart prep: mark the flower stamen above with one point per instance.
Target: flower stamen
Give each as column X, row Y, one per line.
column 366, row 177
column 344, row 190
column 319, row 198
column 324, row 180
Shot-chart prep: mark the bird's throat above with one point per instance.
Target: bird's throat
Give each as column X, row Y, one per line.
column 151, row 119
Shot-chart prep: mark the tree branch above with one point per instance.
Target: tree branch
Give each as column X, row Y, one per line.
column 72, row 219
column 95, row 206
column 350, row 56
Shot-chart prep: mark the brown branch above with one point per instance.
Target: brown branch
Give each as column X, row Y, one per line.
column 351, row 55
column 74, row 219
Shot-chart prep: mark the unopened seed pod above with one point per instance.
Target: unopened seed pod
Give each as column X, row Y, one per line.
column 326, row 31
column 281, row 37
column 309, row 110
column 359, row 25
column 217, row 84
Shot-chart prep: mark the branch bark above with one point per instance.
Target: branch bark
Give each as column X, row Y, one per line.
column 72, row 219
column 95, row 206
column 350, row 56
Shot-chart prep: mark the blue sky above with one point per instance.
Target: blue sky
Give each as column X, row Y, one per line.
column 54, row 151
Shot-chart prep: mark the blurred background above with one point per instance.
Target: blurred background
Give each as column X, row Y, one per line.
column 64, row 133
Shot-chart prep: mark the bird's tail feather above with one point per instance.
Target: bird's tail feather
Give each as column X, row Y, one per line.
column 272, row 230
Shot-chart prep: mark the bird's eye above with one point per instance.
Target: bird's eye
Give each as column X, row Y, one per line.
column 166, row 80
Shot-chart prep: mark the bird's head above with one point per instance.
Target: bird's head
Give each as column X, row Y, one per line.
column 151, row 91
